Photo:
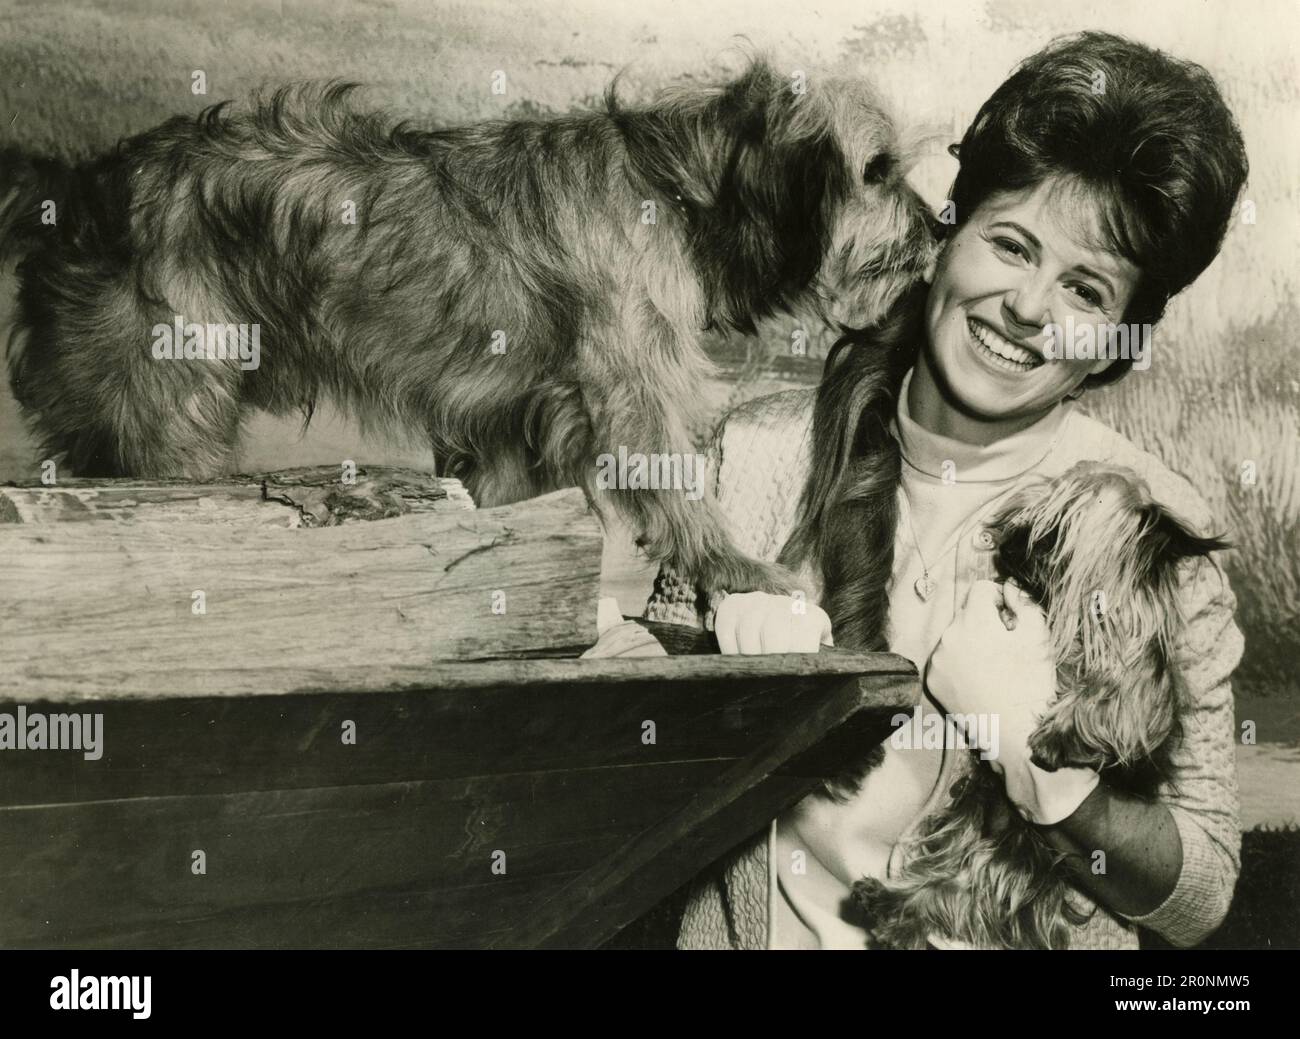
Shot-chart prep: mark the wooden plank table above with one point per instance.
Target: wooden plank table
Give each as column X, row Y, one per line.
column 505, row 803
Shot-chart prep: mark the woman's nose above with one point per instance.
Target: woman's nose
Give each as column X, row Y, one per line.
column 1026, row 305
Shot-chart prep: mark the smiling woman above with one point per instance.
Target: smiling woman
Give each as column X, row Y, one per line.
column 1023, row 261
column 1095, row 184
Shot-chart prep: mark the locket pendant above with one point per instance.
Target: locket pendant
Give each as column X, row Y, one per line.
column 925, row 587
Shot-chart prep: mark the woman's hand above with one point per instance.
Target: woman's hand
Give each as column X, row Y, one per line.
column 995, row 660
column 756, row 622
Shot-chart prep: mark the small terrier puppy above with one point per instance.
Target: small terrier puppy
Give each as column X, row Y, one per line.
column 528, row 294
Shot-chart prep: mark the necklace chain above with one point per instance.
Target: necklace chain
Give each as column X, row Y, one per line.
column 925, row 585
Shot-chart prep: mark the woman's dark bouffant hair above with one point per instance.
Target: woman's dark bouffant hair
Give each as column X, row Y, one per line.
column 1146, row 137
column 1149, row 138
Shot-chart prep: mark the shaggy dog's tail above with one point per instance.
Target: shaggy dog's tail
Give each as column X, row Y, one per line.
column 27, row 183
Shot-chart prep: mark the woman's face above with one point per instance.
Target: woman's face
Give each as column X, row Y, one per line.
column 1023, row 260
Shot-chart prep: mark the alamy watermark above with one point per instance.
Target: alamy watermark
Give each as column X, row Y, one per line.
column 130, row 992
column 191, row 341
column 933, row 731
column 1095, row 341
column 38, row 731
column 653, row 472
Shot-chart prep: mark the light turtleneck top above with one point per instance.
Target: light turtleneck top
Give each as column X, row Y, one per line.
column 948, row 489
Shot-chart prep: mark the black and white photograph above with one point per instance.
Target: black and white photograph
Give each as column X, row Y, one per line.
column 590, row 475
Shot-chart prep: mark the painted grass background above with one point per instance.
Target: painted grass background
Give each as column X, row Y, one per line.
column 1224, row 386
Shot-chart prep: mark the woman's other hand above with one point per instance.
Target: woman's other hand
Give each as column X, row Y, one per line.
column 995, row 661
column 995, row 657
column 757, row 622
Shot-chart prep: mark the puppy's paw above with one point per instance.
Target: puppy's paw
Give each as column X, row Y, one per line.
column 737, row 573
column 869, row 894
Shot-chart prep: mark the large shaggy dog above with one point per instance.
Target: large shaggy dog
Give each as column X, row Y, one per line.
column 529, row 294
column 1102, row 559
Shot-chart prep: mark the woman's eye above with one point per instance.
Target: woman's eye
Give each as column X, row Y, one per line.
column 1088, row 295
column 1006, row 245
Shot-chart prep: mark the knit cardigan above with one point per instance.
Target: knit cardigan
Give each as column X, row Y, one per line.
column 759, row 462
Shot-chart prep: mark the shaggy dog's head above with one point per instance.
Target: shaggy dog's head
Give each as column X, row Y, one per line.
column 793, row 193
column 1102, row 558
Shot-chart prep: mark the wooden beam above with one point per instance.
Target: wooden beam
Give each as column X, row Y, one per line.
column 387, row 842
column 168, row 606
column 313, row 496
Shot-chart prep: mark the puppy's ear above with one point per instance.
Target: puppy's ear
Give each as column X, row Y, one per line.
column 1172, row 541
column 1118, row 719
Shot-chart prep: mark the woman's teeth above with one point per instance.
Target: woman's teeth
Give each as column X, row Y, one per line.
column 999, row 352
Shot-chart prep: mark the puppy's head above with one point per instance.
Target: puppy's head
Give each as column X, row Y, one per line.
column 882, row 235
column 1102, row 558
column 794, row 194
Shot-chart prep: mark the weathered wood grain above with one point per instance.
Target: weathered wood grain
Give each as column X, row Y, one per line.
column 472, row 719
column 131, row 863
column 89, row 609
column 312, row 496
column 596, row 824
column 456, row 918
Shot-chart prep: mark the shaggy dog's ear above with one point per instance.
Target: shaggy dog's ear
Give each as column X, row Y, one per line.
column 1120, row 724
column 1170, row 541
column 781, row 179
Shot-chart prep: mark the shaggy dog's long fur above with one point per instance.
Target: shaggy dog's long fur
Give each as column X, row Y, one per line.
column 594, row 247
column 1102, row 558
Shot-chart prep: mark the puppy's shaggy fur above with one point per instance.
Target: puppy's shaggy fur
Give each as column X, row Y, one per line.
column 1102, row 559
column 594, row 248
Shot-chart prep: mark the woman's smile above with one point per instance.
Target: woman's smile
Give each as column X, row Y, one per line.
column 999, row 352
